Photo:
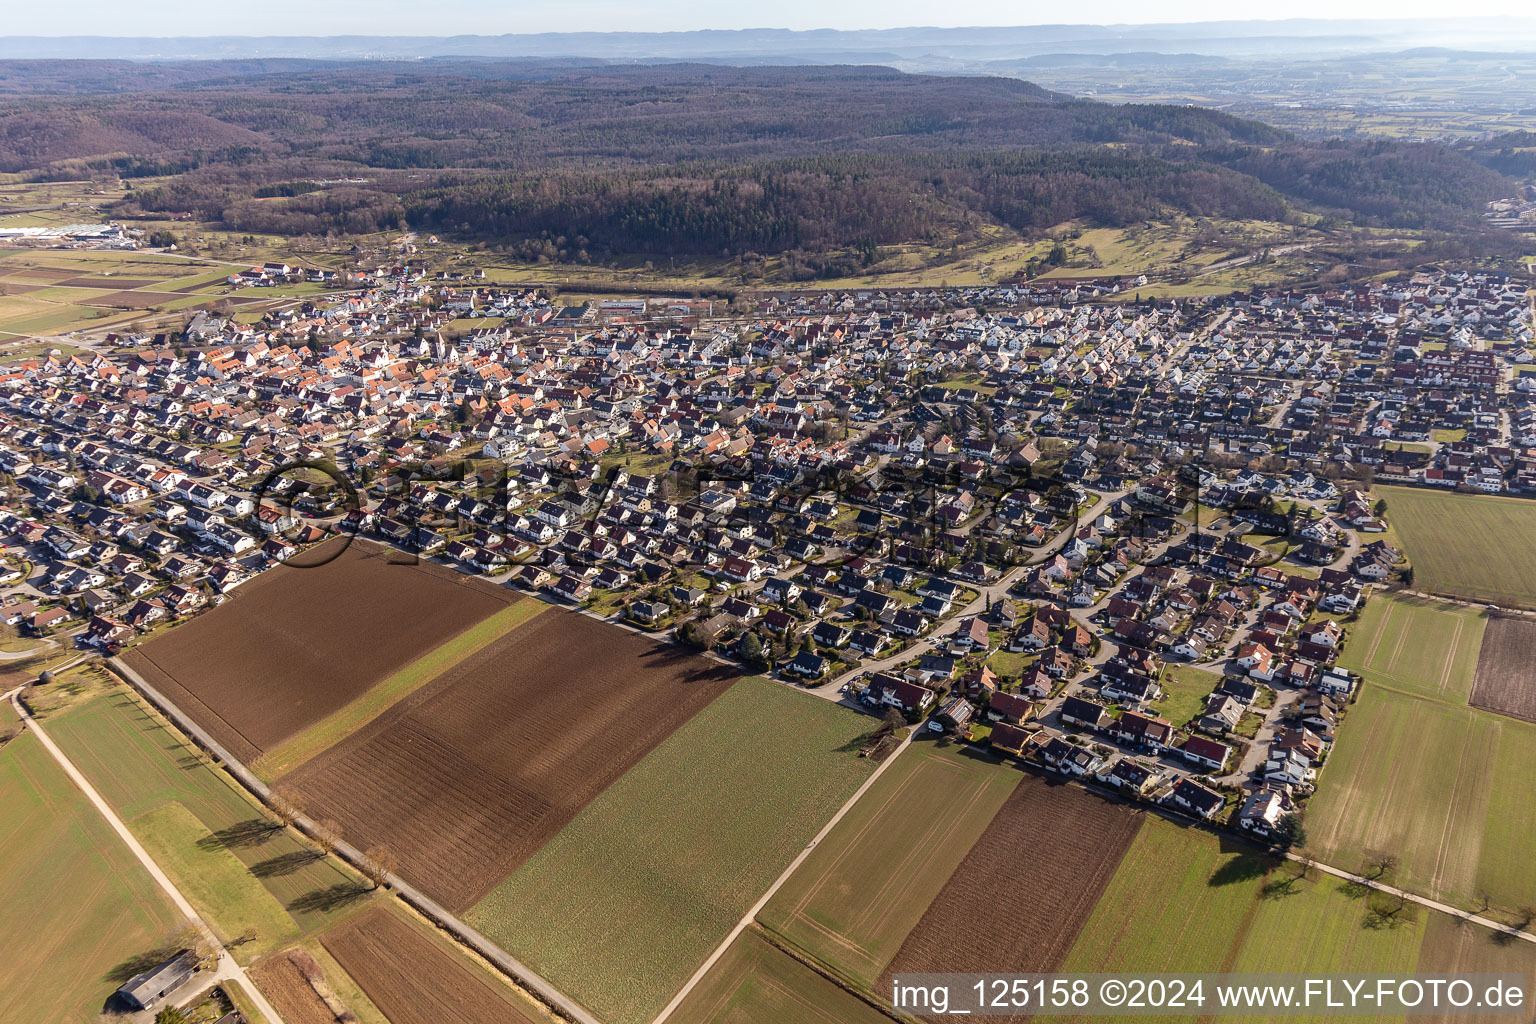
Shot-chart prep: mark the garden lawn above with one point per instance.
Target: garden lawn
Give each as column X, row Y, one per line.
column 625, row 903
column 1186, row 689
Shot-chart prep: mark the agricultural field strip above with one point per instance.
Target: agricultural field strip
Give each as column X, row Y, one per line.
column 145, row 769
column 1471, row 546
column 296, row 645
column 1387, row 775
column 756, row 908
column 1030, row 923
column 758, row 983
column 466, row 779
column 55, row 851
column 432, row 909
column 1504, row 683
column 938, row 841
column 411, row 978
column 372, row 703
column 288, row 989
column 624, row 903
column 1419, row 647
column 227, row 964
column 1335, row 872
column 919, row 853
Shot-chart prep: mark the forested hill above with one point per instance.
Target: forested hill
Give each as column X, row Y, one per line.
column 682, row 158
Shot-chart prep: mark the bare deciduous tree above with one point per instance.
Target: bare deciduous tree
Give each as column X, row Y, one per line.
column 1382, row 864
column 287, row 805
column 378, row 864
column 327, row 834
column 198, row 941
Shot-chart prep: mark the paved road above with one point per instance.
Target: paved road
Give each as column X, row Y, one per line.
column 1422, row 901
column 46, row 645
column 431, row 908
column 228, row 969
column 987, row 594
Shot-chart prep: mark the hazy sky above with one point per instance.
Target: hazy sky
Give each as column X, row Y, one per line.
column 494, row 17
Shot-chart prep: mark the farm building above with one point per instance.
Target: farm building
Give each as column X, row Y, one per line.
column 146, row 990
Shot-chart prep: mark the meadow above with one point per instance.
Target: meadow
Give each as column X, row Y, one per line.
column 1441, row 787
column 1426, row 648
column 241, row 871
column 57, row 852
column 1186, row 900
column 626, row 901
column 1480, row 547
column 853, row 901
column 1181, row 901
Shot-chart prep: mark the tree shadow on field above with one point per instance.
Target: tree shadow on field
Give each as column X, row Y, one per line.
column 338, row 895
column 702, row 670
column 252, row 832
column 141, row 962
column 286, row 864
column 1280, row 888
column 1354, row 890
column 1244, row 867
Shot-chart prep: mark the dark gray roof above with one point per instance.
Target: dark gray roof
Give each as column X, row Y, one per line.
column 143, row 989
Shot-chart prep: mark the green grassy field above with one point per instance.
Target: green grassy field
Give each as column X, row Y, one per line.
column 622, row 906
column 334, row 728
column 230, row 898
column 756, row 983
column 1467, row 545
column 1182, row 900
column 1428, row 648
column 853, row 901
column 1186, row 900
column 1444, row 788
column 1186, row 688
column 213, row 841
column 76, row 906
column 1454, row 946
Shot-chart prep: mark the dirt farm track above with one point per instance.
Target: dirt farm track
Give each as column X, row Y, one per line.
column 294, row 645
column 1024, row 891
column 1505, row 683
column 469, row 776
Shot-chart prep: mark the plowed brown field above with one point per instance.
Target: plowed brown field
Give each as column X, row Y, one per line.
column 411, row 979
column 111, row 284
column 294, row 645
column 280, row 981
column 1504, row 682
column 467, row 778
column 1019, row 898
